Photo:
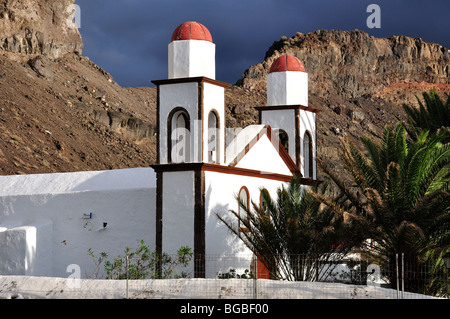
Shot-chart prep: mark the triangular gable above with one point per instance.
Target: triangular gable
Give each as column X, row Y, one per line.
column 240, row 139
column 262, row 151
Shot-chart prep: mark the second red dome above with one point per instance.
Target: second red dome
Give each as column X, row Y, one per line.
column 287, row 63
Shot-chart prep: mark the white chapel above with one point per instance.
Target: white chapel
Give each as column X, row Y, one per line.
column 198, row 171
column 48, row 221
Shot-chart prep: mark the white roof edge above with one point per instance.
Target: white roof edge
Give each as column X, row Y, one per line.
column 59, row 183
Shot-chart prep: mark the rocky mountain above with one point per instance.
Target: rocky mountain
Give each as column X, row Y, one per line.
column 58, row 110
column 39, row 27
column 61, row 112
column 359, row 82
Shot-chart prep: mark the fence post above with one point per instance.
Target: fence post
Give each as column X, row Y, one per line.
column 126, row 266
column 396, row 271
column 255, row 279
column 403, row 275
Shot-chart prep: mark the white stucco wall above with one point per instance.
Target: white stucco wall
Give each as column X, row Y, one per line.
column 214, row 99
column 20, row 253
column 221, row 190
column 183, row 95
column 45, row 229
column 238, row 139
column 287, row 88
column 308, row 123
column 178, row 211
column 191, row 58
column 282, row 119
column 264, row 149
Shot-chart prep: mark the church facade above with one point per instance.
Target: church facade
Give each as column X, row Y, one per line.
column 202, row 168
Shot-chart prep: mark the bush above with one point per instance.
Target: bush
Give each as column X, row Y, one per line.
column 143, row 263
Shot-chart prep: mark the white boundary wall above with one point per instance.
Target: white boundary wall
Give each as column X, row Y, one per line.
column 25, row 287
column 46, row 223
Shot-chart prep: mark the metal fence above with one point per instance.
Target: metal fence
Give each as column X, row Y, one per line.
column 231, row 277
column 399, row 276
column 301, row 277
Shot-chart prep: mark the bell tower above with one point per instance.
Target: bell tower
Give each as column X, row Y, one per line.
column 191, row 131
column 191, row 103
column 287, row 112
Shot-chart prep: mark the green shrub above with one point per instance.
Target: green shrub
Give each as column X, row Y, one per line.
column 143, row 263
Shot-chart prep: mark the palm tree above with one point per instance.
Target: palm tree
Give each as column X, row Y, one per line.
column 434, row 115
column 293, row 235
column 400, row 193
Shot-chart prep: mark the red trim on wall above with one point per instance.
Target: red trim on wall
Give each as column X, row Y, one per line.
column 228, row 170
column 297, row 139
column 159, row 216
column 199, row 224
column 287, row 107
column 197, row 79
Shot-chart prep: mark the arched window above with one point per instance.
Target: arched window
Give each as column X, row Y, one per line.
column 244, row 199
column 213, row 137
column 180, row 136
column 284, row 139
column 308, row 155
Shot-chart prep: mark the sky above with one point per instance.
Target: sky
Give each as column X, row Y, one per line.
column 129, row 38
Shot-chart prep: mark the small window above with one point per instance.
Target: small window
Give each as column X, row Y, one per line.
column 308, row 155
column 213, row 137
column 179, row 139
column 244, row 198
column 284, row 139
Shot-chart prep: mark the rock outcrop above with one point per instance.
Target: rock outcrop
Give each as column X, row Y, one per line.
column 352, row 64
column 44, row 27
column 358, row 82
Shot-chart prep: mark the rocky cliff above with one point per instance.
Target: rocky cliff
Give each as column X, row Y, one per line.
column 59, row 111
column 42, row 27
column 352, row 64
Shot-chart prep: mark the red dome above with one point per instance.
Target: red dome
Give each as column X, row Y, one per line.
column 287, row 63
column 191, row 30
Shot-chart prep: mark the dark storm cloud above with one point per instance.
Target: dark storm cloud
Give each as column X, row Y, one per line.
column 129, row 38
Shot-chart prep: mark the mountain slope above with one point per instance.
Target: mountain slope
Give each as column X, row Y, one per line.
column 73, row 118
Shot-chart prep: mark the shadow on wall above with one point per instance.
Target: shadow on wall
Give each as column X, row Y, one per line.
column 233, row 252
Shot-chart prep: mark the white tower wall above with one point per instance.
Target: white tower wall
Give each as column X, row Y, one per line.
column 181, row 95
column 214, row 100
column 287, row 88
column 192, row 58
